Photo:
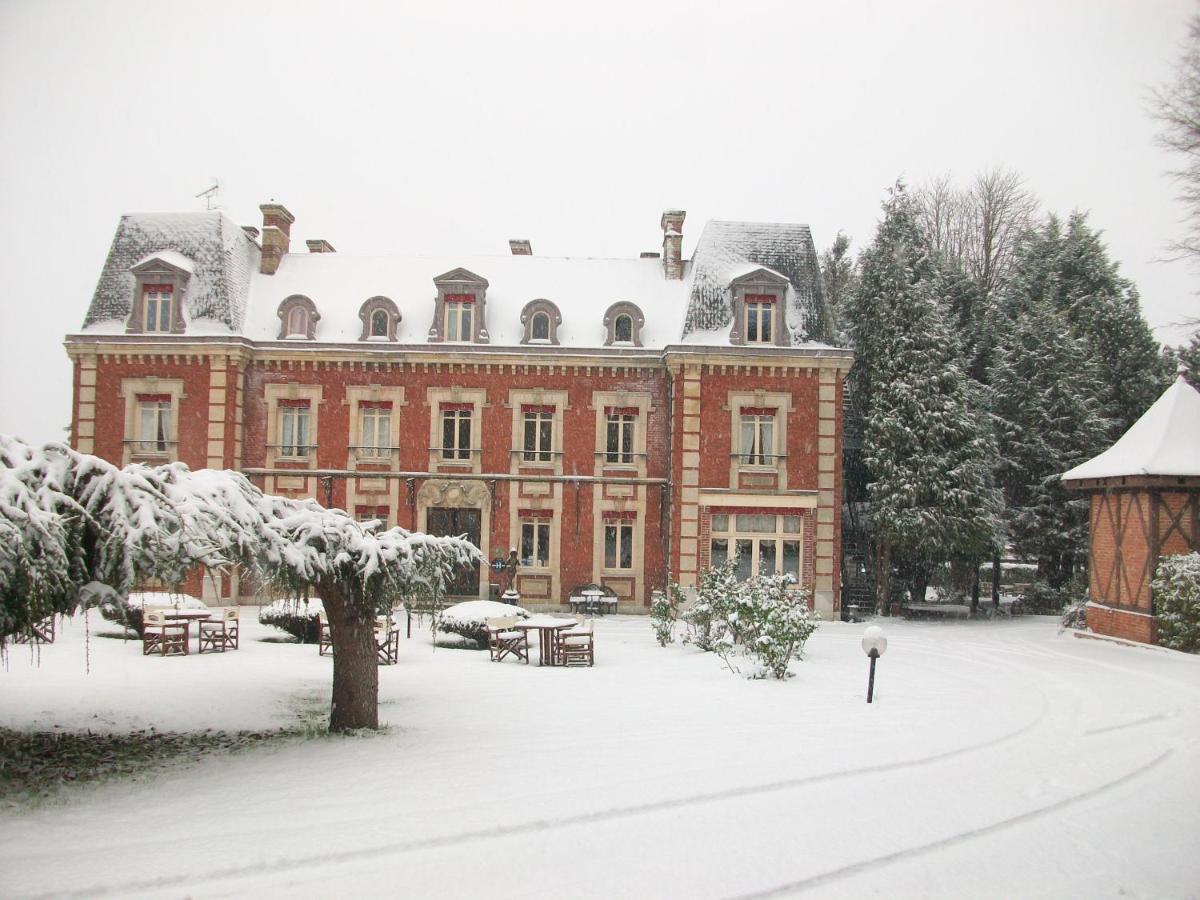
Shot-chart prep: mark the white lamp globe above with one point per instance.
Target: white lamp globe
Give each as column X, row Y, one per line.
column 874, row 639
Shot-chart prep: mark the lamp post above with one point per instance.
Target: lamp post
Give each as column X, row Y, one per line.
column 874, row 642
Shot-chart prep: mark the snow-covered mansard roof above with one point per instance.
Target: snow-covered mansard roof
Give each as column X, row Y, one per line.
column 217, row 254
column 228, row 294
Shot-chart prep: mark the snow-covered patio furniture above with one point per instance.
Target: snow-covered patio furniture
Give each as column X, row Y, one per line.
column 575, row 646
column 221, row 632
column 325, row 640
column 504, row 639
column 387, row 640
column 161, row 636
column 594, row 599
column 547, row 628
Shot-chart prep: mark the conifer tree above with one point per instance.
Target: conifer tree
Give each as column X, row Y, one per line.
column 926, row 441
column 1045, row 391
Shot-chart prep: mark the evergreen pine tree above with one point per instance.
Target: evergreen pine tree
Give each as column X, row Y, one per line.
column 1045, row 391
column 926, row 442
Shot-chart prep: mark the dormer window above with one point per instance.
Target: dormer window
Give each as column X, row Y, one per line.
column 459, row 314
column 160, row 281
column 379, row 324
column 541, row 319
column 380, row 318
column 460, row 317
column 760, row 316
column 298, row 319
column 156, row 307
column 297, row 322
column 758, row 308
column 623, row 323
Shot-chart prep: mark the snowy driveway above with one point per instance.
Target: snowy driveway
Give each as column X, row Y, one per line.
column 999, row 760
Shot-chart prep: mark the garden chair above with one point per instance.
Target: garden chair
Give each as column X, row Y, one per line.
column 575, row 646
column 222, row 633
column 163, row 637
column 504, row 639
column 387, row 640
column 325, row 639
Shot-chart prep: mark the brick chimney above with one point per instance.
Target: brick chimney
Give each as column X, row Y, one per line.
column 276, row 236
column 251, row 232
column 672, row 246
column 520, row 247
column 320, row 245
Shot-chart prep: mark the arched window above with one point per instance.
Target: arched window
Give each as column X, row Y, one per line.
column 298, row 318
column 540, row 319
column 379, row 317
column 297, row 322
column 623, row 324
column 379, row 323
column 623, row 330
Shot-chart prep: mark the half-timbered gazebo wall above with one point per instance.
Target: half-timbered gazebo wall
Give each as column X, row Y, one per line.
column 1134, row 522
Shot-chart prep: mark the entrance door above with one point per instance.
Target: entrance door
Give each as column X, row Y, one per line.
column 452, row 522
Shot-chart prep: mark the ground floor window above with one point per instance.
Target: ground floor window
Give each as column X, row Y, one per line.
column 535, row 542
column 762, row 544
column 618, row 544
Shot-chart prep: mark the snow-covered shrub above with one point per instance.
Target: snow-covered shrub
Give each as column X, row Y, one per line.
column 707, row 618
column 127, row 612
column 469, row 618
column 299, row 617
column 773, row 623
column 664, row 613
column 762, row 618
column 1074, row 617
column 1177, row 598
column 1043, row 599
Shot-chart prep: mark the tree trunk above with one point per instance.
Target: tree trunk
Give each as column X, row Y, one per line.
column 996, row 580
column 355, row 665
column 975, row 587
column 883, row 577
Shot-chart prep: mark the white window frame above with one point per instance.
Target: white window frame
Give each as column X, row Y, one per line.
column 157, row 304
column 622, row 531
column 374, row 430
column 157, row 438
column 297, row 322
column 624, row 426
column 760, row 322
column 299, row 419
column 537, row 534
column 454, row 451
column 788, row 528
column 459, row 322
column 763, row 435
column 538, row 425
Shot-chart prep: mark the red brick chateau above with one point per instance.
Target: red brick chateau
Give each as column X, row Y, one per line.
column 624, row 421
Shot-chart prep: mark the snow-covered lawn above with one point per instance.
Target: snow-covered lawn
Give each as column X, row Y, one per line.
column 1000, row 759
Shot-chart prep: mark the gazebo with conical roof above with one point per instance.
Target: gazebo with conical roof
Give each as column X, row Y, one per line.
column 1145, row 504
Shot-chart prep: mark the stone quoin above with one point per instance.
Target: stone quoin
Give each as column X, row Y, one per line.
column 619, row 421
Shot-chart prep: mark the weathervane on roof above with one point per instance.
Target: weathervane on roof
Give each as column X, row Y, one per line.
column 209, row 193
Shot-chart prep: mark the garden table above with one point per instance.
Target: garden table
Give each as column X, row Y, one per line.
column 187, row 616
column 547, row 627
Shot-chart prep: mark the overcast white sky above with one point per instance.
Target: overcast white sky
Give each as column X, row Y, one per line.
column 451, row 127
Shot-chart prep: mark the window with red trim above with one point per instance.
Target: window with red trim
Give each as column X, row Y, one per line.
column 374, row 429
column 760, row 316
column 460, row 317
column 757, row 434
column 294, row 423
column 538, row 433
column 456, row 430
column 156, row 307
column 535, row 537
column 620, row 439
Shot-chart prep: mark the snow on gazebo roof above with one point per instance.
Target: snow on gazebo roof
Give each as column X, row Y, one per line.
column 1164, row 441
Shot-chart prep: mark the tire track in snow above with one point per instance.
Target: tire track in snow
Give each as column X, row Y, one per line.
column 867, row 865
column 310, row 860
